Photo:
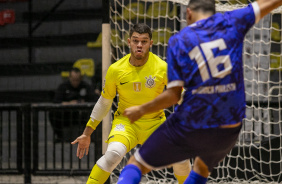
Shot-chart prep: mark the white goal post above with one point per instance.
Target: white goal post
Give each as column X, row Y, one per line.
column 258, row 152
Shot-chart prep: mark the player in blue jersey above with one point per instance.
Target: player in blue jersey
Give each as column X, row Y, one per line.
column 206, row 59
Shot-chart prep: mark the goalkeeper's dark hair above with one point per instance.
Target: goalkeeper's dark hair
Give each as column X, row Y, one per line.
column 202, row 5
column 140, row 28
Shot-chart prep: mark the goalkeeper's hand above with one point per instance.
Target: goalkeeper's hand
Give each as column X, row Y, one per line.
column 83, row 145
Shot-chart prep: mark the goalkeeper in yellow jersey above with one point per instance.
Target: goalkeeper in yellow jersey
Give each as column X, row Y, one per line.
column 138, row 78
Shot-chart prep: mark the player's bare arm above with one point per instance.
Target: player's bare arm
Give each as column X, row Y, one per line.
column 266, row 6
column 83, row 142
column 99, row 111
column 168, row 98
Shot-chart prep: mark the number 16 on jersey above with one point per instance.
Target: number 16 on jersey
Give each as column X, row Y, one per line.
column 212, row 62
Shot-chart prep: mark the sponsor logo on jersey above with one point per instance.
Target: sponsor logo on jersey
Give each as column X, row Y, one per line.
column 137, row 86
column 150, row 81
column 215, row 89
column 122, row 83
column 93, row 178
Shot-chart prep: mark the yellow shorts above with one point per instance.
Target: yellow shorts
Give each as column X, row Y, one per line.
column 137, row 132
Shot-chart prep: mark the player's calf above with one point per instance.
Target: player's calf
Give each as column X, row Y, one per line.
column 181, row 170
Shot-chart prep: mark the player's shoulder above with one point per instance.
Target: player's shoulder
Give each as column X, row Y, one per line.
column 160, row 62
column 174, row 40
column 182, row 34
column 120, row 63
column 176, row 35
column 156, row 58
column 240, row 12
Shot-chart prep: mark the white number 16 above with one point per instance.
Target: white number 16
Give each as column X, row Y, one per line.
column 212, row 61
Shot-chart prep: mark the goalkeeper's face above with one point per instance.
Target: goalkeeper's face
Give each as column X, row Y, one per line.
column 140, row 45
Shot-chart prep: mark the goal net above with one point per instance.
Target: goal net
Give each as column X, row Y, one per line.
column 258, row 152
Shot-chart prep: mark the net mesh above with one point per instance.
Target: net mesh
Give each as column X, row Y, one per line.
column 256, row 158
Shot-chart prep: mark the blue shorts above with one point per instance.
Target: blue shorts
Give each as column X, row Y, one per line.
column 172, row 143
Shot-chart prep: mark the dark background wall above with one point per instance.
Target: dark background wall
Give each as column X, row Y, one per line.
column 46, row 38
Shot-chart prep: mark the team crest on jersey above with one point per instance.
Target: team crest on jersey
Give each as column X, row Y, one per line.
column 137, row 86
column 150, row 81
column 120, row 127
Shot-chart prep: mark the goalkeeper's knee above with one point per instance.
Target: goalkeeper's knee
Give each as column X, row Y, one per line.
column 114, row 154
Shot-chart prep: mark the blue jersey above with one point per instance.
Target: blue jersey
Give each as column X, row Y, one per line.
column 206, row 59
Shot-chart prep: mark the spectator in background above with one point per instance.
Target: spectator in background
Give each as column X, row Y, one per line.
column 73, row 91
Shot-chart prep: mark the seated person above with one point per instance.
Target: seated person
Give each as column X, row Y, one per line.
column 72, row 91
